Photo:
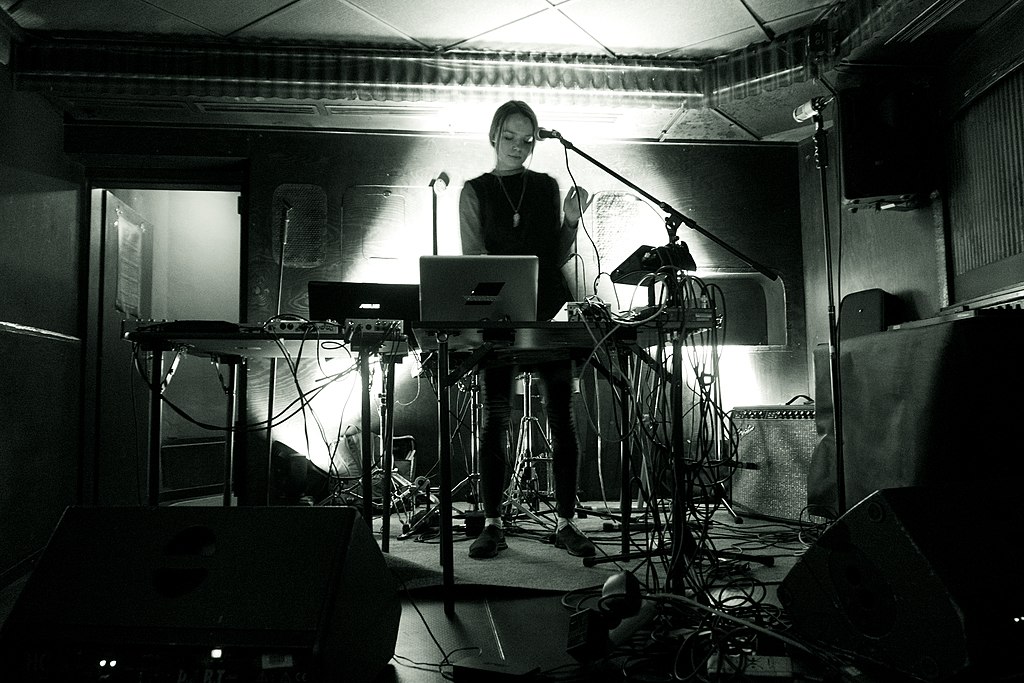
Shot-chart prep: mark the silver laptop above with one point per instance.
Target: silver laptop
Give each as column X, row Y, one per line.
column 477, row 288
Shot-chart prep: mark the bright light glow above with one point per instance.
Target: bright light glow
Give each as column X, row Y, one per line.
column 216, row 653
column 737, row 379
column 338, row 411
column 335, row 405
column 103, row 662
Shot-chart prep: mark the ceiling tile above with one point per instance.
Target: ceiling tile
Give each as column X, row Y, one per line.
column 659, row 26
column 548, row 31
column 451, row 22
column 222, row 17
column 127, row 16
column 719, row 45
column 327, row 21
column 777, row 10
column 783, row 16
column 770, row 113
column 704, row 124
column 793, row 22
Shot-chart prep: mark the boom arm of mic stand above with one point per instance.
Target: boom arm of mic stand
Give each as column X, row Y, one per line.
column 674, row 218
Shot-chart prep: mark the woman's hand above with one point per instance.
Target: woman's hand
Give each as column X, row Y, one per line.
column 577, row 201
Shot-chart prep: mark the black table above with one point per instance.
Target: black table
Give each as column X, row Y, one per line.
column 521, row 343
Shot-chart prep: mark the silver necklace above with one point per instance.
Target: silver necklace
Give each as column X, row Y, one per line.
column 515, row 207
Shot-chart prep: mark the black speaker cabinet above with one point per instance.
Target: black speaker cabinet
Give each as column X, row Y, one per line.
column 888, row 142
column 205, row 594
column 868, row 311
column 300, row 215
column 775, row 446
column 918, row 580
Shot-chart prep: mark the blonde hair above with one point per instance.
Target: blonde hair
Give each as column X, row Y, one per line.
column 502, row 114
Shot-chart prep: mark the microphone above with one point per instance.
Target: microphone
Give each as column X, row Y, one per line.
column 547, row 133
column 440, row 183
column 811, row 108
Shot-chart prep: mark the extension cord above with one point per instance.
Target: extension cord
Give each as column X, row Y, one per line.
column 750, row 667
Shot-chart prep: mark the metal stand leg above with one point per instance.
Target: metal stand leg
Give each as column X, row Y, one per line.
column 387, row 430
column 473, row 478
column 444, row 451
column 229, row 434
column 523, row 493
column 155, row 422
column 367, row 445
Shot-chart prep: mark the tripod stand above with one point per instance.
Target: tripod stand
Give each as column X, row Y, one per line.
column 524, row 492
column 472, row 478
column 390, row 346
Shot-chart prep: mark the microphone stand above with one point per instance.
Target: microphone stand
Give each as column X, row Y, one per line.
column 437, row 185
column 272, row 386
column 433, row 201
column 682, row 543
column 821, row 161
column 673, row 218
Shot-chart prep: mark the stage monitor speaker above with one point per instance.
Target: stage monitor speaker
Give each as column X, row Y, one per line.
column 919, row 581
column 194, row 593
column 775, row 446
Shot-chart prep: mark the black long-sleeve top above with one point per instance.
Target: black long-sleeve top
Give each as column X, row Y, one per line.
column 486, row 221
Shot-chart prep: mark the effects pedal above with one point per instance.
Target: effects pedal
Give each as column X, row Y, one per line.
column 386, row 329
column 309, row 328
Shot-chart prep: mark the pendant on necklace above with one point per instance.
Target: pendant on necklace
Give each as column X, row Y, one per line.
column 515, row 220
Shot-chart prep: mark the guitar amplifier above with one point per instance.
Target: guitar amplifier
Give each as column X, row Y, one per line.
column 775, row 446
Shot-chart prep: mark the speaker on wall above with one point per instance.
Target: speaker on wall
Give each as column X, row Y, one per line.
column 918, row 580
column 300, row 221
column 888, row 141
column 205, row 593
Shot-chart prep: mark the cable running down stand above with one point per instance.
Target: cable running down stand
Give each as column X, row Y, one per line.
column 676, row 254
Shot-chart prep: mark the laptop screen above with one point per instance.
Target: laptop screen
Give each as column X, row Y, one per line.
column 477, row 288
column 347, row 301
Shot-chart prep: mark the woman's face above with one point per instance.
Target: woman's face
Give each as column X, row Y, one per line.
column 514, row 144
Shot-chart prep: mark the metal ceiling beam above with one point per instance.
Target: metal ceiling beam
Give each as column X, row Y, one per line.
column 84, row 67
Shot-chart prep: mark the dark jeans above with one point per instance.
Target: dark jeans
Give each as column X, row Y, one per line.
column 496, row 391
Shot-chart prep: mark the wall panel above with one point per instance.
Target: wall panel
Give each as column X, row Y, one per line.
column 986, row 199
column 39, row 452
column 41, row 294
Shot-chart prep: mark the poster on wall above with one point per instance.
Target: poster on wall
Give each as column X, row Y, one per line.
column 129, row 266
